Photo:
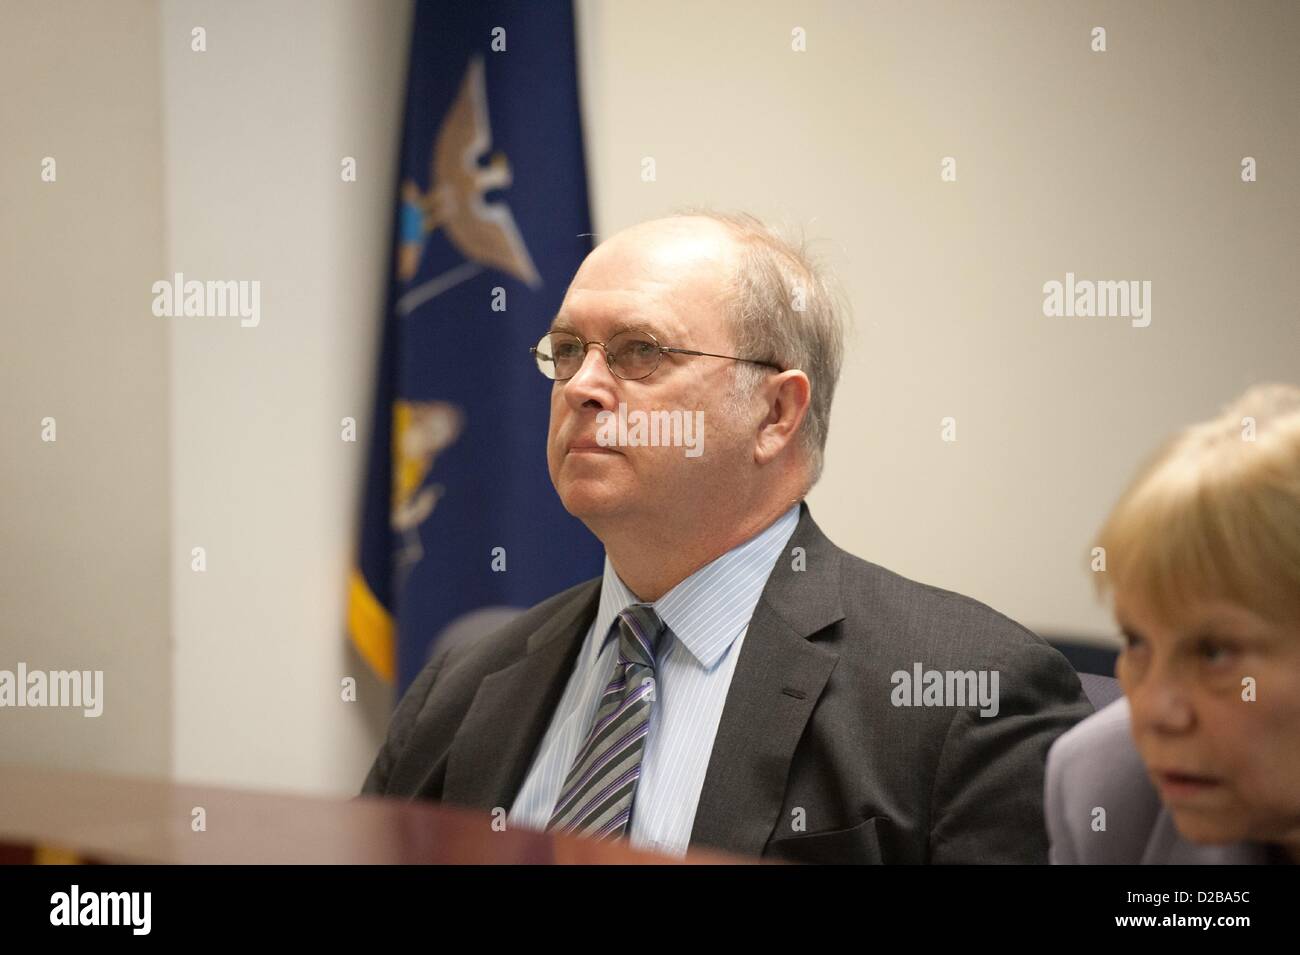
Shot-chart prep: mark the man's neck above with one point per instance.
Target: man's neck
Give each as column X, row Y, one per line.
column 652, row 561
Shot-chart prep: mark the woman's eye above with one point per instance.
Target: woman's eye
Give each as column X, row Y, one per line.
column 1214, row 652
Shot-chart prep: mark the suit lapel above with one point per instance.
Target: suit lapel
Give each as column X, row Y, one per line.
column 512, row 709
column 777, row 681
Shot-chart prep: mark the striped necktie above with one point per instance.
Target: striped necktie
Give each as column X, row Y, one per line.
column 596, row 798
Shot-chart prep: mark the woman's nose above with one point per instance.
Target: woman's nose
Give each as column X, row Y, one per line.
column 1160, row 702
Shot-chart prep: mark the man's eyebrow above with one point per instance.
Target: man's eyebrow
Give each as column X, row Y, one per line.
column 560, row 323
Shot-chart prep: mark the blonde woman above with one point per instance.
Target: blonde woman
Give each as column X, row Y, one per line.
column 1199, row 762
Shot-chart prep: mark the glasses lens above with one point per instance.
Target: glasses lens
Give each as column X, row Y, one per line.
column 559, row 356
column 633, row 354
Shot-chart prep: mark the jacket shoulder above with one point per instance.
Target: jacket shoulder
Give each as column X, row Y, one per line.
column 491, row 651
column 948, row 627
column 454, row 672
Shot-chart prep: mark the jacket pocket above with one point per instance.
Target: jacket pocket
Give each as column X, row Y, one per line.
column 857, row 845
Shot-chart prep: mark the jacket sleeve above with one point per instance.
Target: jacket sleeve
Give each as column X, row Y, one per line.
column 401, row 724
column 987, row 804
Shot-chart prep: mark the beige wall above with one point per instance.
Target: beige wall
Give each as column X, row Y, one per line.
column 1115, row 165
column 84, row 520
column 177, row 433
column 257, row 128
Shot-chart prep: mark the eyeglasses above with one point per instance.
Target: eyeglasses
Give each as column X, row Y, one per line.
column 631, row 355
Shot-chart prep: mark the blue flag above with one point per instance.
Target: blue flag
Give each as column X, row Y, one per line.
column 461, row 526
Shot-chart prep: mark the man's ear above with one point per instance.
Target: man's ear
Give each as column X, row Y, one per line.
column 788, row 395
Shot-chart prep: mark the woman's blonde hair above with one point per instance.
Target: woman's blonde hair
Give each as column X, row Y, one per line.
column 1215, row 514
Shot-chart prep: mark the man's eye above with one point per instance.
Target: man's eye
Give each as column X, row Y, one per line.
column 567, row 350
column 634, row 351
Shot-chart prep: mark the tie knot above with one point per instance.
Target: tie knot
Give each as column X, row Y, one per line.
column 641, row 631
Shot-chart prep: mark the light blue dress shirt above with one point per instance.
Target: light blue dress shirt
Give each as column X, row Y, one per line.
column 708, row 616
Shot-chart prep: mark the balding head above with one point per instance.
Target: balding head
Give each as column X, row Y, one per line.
column 675, row 279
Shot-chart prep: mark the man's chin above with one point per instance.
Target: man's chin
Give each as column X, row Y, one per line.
column 591, row 500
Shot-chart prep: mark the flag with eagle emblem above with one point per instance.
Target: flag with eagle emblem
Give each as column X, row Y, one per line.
column 461, row 527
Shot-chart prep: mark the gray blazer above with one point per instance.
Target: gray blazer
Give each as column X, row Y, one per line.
column 808, row 722
column 1096, row 765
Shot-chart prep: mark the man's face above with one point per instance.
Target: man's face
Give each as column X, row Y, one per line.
column 665, row 277
column 1225, row 765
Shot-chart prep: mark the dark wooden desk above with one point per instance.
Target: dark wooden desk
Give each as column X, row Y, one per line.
column 54, row 816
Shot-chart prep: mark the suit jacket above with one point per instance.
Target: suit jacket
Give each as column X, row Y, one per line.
column 1096, row 764
column 812, row 761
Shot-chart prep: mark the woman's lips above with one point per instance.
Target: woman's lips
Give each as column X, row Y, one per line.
column 1182, row 785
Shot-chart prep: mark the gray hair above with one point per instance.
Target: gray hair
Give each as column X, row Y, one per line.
column 782, row 308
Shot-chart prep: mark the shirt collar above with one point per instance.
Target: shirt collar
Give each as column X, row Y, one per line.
column 710, row 608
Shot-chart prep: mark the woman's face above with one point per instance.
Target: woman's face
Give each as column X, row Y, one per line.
column 1215, row 702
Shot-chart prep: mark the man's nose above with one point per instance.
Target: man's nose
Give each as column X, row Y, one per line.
column 593, row 382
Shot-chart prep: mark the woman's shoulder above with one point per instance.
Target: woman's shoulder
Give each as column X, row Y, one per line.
column 1103, row 735
column 1099, row 801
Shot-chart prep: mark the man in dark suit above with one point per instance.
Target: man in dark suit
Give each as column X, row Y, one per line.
column 733, row 680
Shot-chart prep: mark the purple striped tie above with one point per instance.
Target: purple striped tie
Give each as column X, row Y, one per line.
column 596, row 798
